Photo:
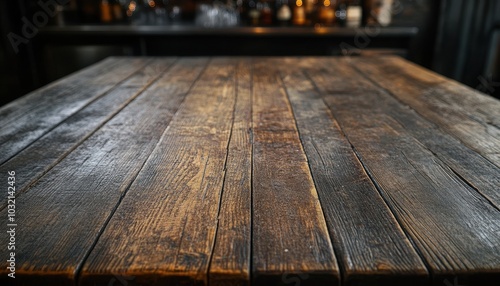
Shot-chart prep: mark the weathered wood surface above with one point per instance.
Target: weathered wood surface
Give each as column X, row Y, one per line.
column 352, row 205
column 253, row 171
column 66, row 210
column 230, row 262
column 471, row 117
column 24, row 121
column 290, row 237
column 172, row 207
column 434, row 205
column 36, row 159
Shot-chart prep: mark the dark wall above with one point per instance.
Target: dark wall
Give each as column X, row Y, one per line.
column 17, row 69
column 422, row 14
column 466, row 41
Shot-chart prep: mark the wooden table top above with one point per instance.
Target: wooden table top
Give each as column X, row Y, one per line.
column 262, row 171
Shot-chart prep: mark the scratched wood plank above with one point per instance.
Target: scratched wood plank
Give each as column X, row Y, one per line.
column 372, row 247
column 481, row 107
column 471, row 166
column 25, row 120
column 62, row 215
column 35, row 160
column 469, row 116
column 230, row 263
column 479, row 172
column 454, row 227
column 165, row 227
column 290, row 237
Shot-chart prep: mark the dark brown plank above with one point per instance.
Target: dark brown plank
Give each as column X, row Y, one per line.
column 436, row 101
column 31, row 163
column 372, row 247
column 454, row 227
column 290, row 237
column 61, row 216
column 167, row 222
column 230, row 263
column 479, row 172
column 27, row 119
column 477, row 105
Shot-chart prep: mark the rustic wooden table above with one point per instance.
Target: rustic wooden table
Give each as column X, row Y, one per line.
column 269, row 171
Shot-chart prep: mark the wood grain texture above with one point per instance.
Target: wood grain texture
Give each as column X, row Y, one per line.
column 290, row 237
column 25, row 120
column 165, row 227
column 35, row 160
column 360, row 223
column 469, row 116
column 455, row 228
column 230, row 262
column 253, row 171
column 479, row 106
column 67, row 209
column 479, row 172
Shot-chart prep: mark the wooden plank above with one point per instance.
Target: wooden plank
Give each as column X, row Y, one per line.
column 167, row 222
column 478, row 128
column 480, row 173
column 479, row 106
column 371, row 246
column 34, row 161
column 26, row 120
column 62, row 215
column 290, row 237
column 230, row 263
column 455, row 228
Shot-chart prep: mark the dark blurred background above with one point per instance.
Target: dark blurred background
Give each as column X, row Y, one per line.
column 43, row 40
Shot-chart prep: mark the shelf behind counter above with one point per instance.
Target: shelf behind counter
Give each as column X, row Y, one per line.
column 62, row 50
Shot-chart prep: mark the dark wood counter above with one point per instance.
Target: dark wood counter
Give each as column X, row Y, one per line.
column 262, row 171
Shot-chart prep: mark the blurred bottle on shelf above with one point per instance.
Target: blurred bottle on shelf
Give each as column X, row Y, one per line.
column 116, row 11
column 311, row 8
column 341, row 13
column 106, row 12
column 326, row 13
column 266, row 13
column 242, row 8
column 354, row 17
column 253, row 13
column 217, row 14
column 377, row 12
column 283, row 13
column 299, row 14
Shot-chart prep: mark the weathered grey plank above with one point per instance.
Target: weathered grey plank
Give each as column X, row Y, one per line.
column 290, row 237
column 372, row 247
column 31, row 163
column 454, row 227
column 230, row 262
column 480, row 173
column 61, row 216
column 469, row 116
column 26, row 120
column 167, row 222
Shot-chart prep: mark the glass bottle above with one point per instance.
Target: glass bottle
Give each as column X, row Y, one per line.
column 283, row 13
column 299, row 14
column 341, row 13
column 106, row 12
column 253, row 13
column 266, row 13
column 326, row 13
